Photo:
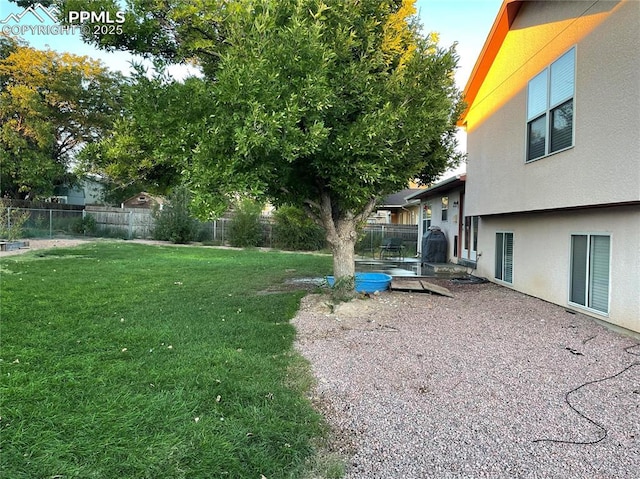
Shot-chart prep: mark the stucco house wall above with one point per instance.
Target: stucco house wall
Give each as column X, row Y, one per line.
column 602, row 167
column 542, row 256
column 591, row 187
column 450, row 226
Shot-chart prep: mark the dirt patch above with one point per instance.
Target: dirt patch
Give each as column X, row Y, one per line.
column 38, row 244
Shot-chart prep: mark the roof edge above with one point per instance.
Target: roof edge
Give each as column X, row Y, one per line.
column 501, row 26
column 443, row 186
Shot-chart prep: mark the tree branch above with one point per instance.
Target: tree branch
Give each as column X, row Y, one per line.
column 368, row 209
column 311, row 213
column 326, row 216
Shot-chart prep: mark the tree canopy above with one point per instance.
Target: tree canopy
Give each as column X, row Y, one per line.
column 323, row 104
column 51, row 104
column 159, row 127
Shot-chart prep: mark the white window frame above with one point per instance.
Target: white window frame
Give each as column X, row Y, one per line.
column 444, row 208
column 549, row 109
column 513, row 241
column 426, row 214
column 588, row 291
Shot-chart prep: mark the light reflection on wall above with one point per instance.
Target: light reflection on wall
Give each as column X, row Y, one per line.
column 536, row 39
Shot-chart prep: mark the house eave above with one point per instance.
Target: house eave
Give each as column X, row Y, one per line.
column 635, row 203
column 443, row 187
column 501, row 26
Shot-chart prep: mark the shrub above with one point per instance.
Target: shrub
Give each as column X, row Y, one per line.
column 12, row 222
column 294, row 230
column 245, row 229
column 174, row 221
column 85, row 226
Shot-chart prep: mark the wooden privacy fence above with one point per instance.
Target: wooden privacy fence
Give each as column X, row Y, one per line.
column 139, row 223
column 122, row 222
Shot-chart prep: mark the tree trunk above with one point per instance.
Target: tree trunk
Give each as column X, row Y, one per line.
column 342, row 235
column 343, row 249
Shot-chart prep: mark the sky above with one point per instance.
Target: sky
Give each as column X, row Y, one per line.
column 465, row 22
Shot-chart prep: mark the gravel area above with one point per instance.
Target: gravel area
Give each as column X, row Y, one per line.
column 422, row 386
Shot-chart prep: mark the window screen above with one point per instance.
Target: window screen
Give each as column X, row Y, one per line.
column 504, row 257
column 550, row 108
column 590, row 271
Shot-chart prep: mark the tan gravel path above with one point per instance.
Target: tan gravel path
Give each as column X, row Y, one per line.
column 421, row 386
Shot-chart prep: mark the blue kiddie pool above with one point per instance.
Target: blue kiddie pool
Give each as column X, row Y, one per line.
column 368, row 282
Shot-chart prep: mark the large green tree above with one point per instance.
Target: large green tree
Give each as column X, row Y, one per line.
column 51, row 105
column 323, row 104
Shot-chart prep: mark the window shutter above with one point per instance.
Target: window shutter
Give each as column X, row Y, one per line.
column 599, row 273
column 537, row 95
column 508, row 257
column 562, row 78
column 504, row 257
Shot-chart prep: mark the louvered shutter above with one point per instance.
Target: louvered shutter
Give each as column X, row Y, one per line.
column 599, row 273
column 508, row 257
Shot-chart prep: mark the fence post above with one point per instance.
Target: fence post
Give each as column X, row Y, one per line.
column 373, row 251
column 130, row 224
column 9, row 218
column 50, row 224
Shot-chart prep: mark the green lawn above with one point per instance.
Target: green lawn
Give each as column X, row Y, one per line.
column 123, row 360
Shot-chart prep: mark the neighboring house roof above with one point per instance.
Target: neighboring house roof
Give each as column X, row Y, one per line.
column 143, row 200
column 399, row 199
column 498, row 33
column 439, row 188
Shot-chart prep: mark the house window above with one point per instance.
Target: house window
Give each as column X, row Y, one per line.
column 590, row 271
column 550, row 108
column 445, row 208
column 475, row 233
column 504, row 257
column 426, row 218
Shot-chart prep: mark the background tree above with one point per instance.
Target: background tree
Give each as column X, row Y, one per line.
column 160, row 124
column 325, row 105
column 51, row 105
column 30, row 3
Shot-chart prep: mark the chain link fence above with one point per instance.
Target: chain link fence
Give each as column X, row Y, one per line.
column 40, row 223
column 374, row 235
column 129, row 223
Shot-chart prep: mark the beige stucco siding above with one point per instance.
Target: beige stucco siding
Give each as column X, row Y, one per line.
column 541, row 255
column 450, row 227
column 603, row 166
